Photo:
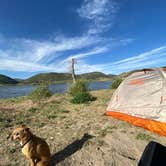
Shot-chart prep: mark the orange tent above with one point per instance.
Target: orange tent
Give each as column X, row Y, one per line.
column 141, row 100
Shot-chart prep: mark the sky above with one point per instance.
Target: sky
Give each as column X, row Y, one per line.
column 110, row 36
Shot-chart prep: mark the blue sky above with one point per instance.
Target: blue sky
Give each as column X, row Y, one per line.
column 111, row 36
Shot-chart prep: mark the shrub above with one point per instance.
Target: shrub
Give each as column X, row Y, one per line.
column 79, row 87
column 82, row 98
column 41, row 92
column 116, row 82
column 79, row 92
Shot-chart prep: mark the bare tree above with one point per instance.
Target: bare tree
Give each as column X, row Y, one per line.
column 73, row 70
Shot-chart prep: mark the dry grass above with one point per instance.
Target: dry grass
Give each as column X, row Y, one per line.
column 78, row 135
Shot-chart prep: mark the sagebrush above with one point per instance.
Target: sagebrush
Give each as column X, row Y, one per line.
column 41, row 92
column 80, row 86
column 82, row 98
column 80, row 92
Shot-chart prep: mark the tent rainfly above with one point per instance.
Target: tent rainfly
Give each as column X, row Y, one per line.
column 141, row 100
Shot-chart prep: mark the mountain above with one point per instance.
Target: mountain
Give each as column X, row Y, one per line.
column 96, row 76
column 18, row 79
column 6, row 80
column 65, row 77
column 47, row 77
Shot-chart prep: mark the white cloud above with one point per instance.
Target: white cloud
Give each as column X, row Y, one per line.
column 87, row 54
column 31, row 52
column 16, row 65
column 44, row 56
column 153, row 54
column 65, row 44
column 25, row 58
column 33, row 55
column 152, row 58
column 100, row 13
column 102, row 49
column 65, row 65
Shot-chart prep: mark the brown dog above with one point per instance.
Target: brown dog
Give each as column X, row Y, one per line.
column 33, row 147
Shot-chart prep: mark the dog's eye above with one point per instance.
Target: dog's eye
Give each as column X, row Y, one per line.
column 17, row 134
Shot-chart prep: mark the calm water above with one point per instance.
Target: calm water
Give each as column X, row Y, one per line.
column 22, row 90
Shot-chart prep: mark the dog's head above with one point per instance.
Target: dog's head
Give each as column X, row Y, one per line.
column 20, row 133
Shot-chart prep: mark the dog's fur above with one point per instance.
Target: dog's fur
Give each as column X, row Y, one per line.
column 33, row 147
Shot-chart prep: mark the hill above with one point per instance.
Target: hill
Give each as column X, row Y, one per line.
column 7, row 80
column 65, row 77
column 47, row 77
column 96, row 76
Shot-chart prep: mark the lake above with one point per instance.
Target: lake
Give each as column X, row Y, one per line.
column 23, row 90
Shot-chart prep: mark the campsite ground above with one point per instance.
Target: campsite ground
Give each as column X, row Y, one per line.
column 78, row 135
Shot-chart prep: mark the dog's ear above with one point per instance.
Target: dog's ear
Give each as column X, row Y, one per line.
column 26, row 129
column 23, row 126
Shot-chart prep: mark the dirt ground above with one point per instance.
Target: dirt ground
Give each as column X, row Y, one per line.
column 78, row 135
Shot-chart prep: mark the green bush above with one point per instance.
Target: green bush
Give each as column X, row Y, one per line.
column 41, row 92
column 82, row 98
column 79, row 87
column 80, row 93
column 116, row 82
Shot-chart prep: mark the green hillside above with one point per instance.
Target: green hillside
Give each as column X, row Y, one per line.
column 47, row 77
column 96, row 76
column 65, row 77
column 6, row 80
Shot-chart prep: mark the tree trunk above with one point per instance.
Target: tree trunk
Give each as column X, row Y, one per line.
column 73, row 72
